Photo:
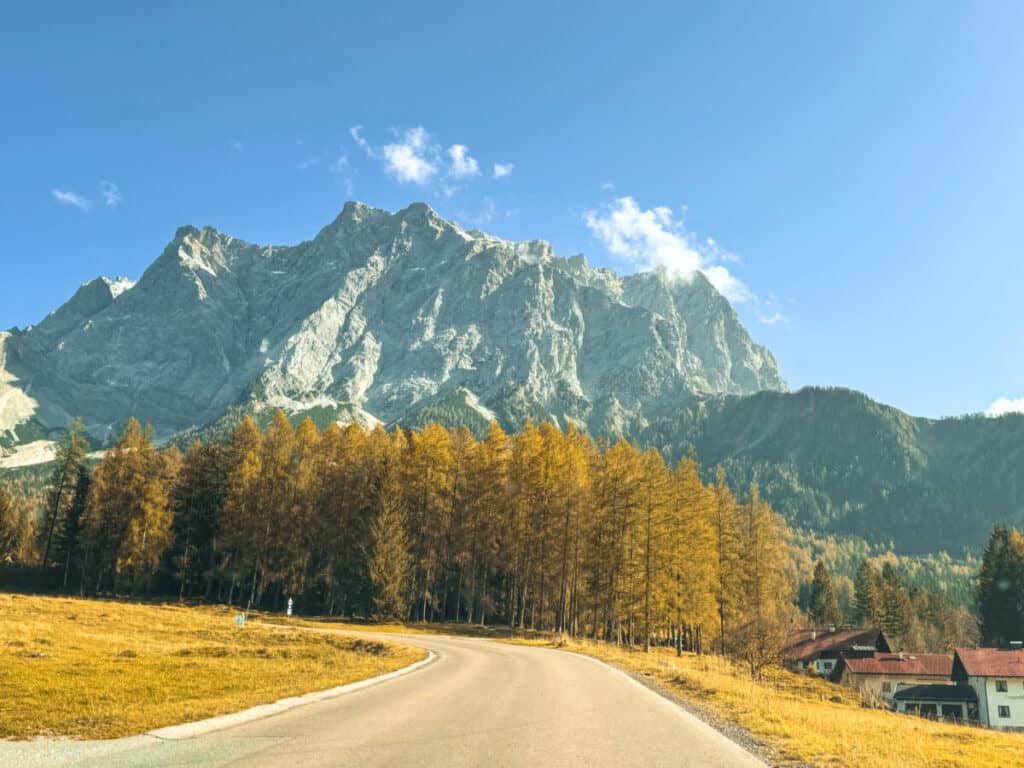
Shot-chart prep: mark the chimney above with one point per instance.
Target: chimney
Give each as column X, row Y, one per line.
column 901, row 655
column 814, row 634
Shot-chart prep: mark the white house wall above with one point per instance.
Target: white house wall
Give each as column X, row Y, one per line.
column 989, row 701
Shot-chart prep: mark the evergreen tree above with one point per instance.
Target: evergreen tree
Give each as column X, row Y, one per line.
column 1000, row 588
column 824, row 608
column 897, row 611
column 71, row 452
column 868, row 596
column 68, row 540
column 197, row 500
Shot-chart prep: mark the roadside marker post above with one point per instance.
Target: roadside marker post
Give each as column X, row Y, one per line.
column 290, row 604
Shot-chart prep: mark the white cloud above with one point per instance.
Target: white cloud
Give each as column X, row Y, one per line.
column 651, row 238
column 66, row 197
column 111, row 194
column 501, row 170
column 463, row 165
column 607, row 186
column 237, row 146
column 1005, row 405
column 413, row 158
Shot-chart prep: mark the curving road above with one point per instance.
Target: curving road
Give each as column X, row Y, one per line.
column 480, row 703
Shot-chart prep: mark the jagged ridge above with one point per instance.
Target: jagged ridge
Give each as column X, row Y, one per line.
column 383, row 316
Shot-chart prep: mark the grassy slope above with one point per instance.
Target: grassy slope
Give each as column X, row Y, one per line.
column 97, row 669
column 800, row 720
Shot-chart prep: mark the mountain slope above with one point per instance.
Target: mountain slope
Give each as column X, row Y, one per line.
column 405, row 318
column 835, row 461
column 381, row 317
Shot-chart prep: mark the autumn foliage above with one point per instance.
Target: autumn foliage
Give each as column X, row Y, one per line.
column 545, row 529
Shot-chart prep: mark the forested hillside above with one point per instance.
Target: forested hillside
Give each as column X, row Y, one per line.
column 835, row 462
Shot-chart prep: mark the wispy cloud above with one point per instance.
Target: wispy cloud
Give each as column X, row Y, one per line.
column 110, row 193
column 341, row 168
column 462, row 164
column 480, row 218
column 356, row 132
column 237, row 146
column 1005, row 405
column 67, row 197
column 651, row 238
column 413, row 158
column 501, row 170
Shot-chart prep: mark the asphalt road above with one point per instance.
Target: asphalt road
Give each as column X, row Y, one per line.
column 480, row 703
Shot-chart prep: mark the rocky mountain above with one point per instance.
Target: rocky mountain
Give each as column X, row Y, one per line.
column 404, row 318
column 382, row 317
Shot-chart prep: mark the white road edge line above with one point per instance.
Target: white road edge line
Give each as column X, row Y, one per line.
column 219, row 723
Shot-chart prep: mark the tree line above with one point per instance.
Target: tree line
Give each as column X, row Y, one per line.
column 546, row 529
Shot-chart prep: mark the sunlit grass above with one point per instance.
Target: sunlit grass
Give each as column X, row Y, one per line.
column 100, row 669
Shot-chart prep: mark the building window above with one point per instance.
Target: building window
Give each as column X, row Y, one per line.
column 828, row 665
column 1000, row 686
column 1004, row 711
column 887, row 687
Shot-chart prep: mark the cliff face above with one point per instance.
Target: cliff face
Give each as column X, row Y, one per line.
column 381, row 317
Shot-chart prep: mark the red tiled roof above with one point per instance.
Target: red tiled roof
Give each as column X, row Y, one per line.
column 992, row 662
column 937, row 664
column 804, row 644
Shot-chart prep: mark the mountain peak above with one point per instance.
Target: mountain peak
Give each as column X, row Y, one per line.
column 385, row 314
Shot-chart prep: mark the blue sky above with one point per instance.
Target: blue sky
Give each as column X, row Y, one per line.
column 851, row 173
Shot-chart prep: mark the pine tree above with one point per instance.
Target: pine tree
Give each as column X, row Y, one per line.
column 897, row 612
column 197, row 500
column 1000, row 588
column 390, row 561
column 70, row 455
column 868, row 596
column 824, row 607
column 68, row 543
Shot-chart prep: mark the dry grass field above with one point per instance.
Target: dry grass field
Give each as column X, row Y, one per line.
column 94, row 669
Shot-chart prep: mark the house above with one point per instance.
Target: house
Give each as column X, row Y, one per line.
column 938, row 700
column 880, row 675
column 818, row 650
column 997, row 677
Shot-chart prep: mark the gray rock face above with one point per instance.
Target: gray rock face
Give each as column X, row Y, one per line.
column 381, row 317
